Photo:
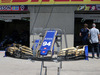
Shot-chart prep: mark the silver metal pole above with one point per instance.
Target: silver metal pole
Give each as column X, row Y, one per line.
column 59, row 68
column 41, row 67
column 65, row 39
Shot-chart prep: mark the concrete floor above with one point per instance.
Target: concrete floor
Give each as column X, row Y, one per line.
column 13, row 66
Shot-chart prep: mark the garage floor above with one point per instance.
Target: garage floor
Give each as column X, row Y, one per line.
column 13, row 66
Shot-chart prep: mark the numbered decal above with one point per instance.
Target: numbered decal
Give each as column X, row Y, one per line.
column 46, row 43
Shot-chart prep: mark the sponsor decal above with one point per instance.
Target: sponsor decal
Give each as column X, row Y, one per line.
column 89, row 7
column 98, row 7
column 13, row 8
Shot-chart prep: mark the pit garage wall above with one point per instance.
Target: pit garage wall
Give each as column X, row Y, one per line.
column 61, row 17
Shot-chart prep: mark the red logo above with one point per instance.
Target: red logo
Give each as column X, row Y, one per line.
column 43, row 51
column 45, row 48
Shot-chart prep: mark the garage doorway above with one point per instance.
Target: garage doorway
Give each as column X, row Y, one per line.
column 80, row 20
column 14, row 31
column 78, row 25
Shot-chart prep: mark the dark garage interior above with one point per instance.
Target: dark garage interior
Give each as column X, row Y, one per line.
column 79, row 23
column 14, row 31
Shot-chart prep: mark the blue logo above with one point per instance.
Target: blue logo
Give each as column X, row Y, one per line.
column 15, row 7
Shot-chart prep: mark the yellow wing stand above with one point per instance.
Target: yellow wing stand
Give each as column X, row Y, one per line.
column 19, row 51
column 72, row 52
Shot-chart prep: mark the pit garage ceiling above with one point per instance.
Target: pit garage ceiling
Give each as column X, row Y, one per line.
column 95, row 17
column 13, row 16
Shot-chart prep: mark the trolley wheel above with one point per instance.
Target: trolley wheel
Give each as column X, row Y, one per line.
column 17, row 54
column 22, row 55
column 7, row 53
